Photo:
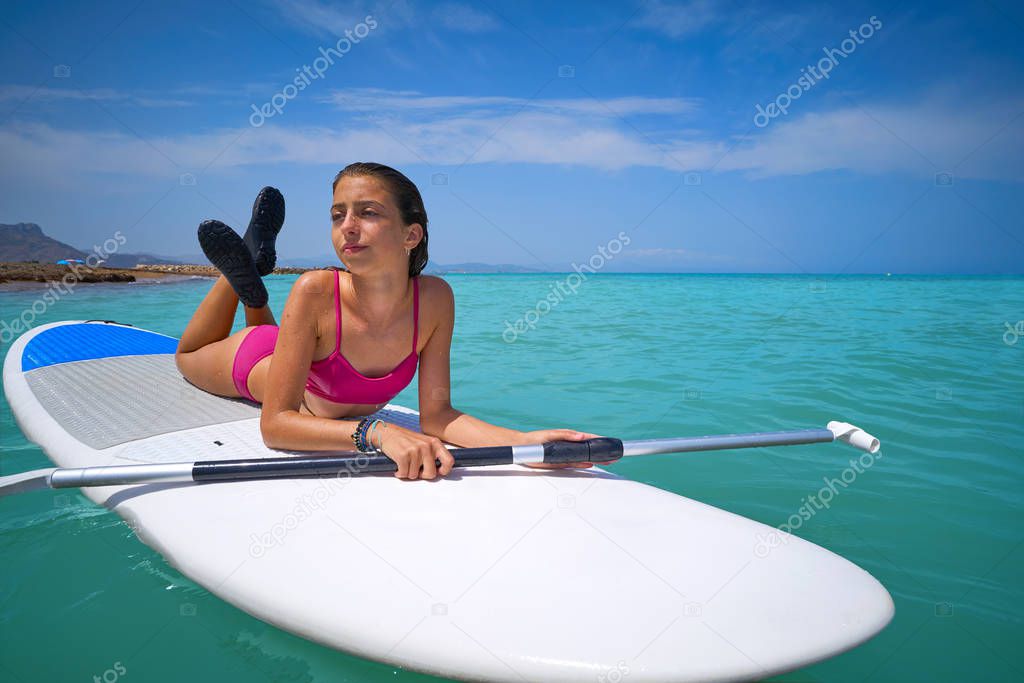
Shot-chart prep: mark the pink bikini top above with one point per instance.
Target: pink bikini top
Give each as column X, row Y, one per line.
column 334, row 378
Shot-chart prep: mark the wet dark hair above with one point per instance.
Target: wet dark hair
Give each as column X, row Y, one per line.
column 407, row 197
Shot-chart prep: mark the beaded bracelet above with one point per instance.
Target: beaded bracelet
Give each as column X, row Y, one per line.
column 359, row 436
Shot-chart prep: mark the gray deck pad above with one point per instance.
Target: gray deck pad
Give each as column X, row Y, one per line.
column 110, row 401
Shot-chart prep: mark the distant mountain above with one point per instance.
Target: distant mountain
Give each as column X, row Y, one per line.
column 28, row 242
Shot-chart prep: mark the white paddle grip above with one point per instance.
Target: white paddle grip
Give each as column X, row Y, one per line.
column 855, row 436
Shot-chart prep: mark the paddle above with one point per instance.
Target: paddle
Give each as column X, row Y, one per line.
column 599, row 450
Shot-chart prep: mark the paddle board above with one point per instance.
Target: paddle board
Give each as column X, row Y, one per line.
column 500, row 573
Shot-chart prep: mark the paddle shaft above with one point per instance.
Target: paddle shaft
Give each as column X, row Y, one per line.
column 351, row 463
column 600, row 450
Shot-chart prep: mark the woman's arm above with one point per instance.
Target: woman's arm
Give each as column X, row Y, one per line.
column 437, row 416
column 281, row 423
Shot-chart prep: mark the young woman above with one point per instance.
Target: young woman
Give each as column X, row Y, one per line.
column 316, row 379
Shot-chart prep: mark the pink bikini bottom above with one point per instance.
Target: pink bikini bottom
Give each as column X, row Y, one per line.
column 256, row 346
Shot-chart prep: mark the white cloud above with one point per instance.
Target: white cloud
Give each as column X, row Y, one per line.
column 921, row 138
column 748, row 30
column 323, row 19
column 376, row 100
column 458, row 17
column 679, row 19
column 21, row 93
column 984, row 140
column 528, row 138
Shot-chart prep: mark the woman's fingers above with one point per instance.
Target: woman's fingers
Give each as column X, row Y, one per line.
column 570, row 435
column 402, row 461
column 559, row 465
column 418, row 457
column 445, row 456
column 416, row 463
column 427, row 459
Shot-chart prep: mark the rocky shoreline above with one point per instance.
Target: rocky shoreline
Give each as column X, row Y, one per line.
column 206, row 271
column 30, row 271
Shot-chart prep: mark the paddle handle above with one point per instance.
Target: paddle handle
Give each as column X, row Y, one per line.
column 591, row 450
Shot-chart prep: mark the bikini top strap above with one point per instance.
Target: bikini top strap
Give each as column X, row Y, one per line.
column 415, row 311
column 337, row 309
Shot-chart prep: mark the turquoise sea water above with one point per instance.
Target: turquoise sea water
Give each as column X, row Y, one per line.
column 926, row 364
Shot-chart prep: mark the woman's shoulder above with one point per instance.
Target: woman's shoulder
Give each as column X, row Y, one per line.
column 436, row 291
column 315, row 283
column 437, row 303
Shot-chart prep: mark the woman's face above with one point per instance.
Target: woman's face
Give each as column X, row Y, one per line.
column 367, row 229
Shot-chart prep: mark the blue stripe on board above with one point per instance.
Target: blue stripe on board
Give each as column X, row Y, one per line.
column 87, row 341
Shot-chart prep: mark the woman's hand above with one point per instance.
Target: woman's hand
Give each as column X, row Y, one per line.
column 414, row 453
column 544, row 435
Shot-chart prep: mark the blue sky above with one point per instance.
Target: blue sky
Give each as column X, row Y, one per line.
column 537, row 132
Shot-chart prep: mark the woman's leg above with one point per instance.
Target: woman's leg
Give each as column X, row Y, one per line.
column 212, row 320
column 259, row 316
column 206, row 352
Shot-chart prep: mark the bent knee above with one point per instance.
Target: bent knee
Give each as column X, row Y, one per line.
column 186, row 363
